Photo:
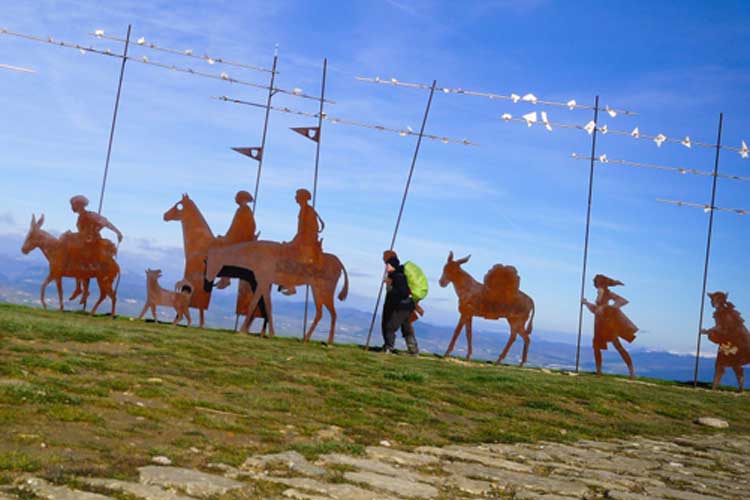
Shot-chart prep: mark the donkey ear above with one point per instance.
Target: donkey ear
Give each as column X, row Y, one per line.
column 33, row 220
column 40, row 221
column 464, row 260
column 450, row 256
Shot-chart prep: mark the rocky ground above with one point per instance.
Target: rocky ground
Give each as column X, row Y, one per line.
column 686, row 468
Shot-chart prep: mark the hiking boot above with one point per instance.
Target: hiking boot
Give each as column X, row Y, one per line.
column 387, row 350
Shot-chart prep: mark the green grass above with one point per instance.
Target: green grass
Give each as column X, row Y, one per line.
column 81, row 394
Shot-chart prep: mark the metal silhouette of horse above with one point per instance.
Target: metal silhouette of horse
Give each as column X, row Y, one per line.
column 276, row 263
column 197, row 238
column 481, row 300
column 64, row 263
column 732, row 337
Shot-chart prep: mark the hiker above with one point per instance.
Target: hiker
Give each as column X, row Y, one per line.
column 398, row 307
column 610, row 323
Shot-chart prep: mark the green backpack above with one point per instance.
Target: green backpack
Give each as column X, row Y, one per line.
column 417, row 281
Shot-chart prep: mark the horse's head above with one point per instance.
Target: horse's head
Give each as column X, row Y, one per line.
column 34, row 236
column 451, row 269
column 175, row 213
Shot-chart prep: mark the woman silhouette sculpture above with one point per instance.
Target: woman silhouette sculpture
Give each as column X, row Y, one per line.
column 610, row 323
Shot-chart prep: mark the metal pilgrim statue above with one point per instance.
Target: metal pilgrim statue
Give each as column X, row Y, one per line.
column 288, row 265
column 610, row 323
column 498, row 297
column 198, row 238
column 81, row 255
column 732, row 337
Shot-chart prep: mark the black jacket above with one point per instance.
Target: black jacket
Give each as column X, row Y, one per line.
column 399, row 295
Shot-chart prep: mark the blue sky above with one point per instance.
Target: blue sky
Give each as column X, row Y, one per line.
column 517, row 199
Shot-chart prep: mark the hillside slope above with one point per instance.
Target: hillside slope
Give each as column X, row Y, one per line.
column 84, row 395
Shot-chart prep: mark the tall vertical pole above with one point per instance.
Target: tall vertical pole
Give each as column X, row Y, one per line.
column 114, row 119
column 588, row 227
column 708, row 251
column 403, row 204
column 315, row 180
column 271, row 92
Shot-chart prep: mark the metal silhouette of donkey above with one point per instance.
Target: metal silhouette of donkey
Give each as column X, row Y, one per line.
column 498, row 297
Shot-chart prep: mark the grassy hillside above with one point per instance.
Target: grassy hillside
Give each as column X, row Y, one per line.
column 92, row 395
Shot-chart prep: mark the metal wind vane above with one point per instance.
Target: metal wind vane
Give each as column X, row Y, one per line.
column 186, row 53
column 402, row 132
column 529, row 97
column 16, row 68
column 541, row 119
column 604, row 159
column 145, row 60
column 706, row 208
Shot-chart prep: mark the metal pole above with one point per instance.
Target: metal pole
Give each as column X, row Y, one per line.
column 403, row 204
column 114, row 119
column 708, row 250
column 315, row 181
column 588, row 227
column 271, row 92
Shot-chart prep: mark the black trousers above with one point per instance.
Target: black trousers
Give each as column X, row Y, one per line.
column 399, row 319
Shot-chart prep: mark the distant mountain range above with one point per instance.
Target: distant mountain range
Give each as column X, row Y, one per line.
column 21, row 276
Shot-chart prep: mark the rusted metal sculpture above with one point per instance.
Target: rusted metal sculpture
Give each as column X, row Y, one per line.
column 732, row 337
column 498, row 297
column 75, row 255
column 197, row 238
column 610, row 323
column 300, row 262
column 179, row 299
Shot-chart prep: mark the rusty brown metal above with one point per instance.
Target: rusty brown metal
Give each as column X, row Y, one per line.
column 255, row 153
column 732, row 337
column 178, row 299
column 498, row 297
column 312, row 133
column 289, row 265
column 81, row 255
column 610, row 323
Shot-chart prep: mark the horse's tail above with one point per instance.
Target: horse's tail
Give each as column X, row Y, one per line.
column 344, row 291
column 530, row 325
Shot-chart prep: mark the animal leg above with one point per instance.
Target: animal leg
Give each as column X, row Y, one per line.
column 145, row 308
column 202, row 319
column 598, row 359
column 316, row 320
column 77, row 290
column 44, row 288
column 102, row 296
column 58, row 282
column 526, row 343
column 187, row 315
column 267, row 297
column 153, row 311
column 250, row 310
column 456, row 333
column 468, row 339
column 332, row 313
column 508, row 345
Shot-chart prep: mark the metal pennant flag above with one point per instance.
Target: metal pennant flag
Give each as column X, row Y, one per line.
column 312, row 133
column 254, row 153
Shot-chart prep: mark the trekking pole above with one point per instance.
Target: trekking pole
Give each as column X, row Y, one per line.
column 403, row 204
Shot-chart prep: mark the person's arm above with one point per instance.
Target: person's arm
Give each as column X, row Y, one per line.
column 618, row 301
column 591, row 307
